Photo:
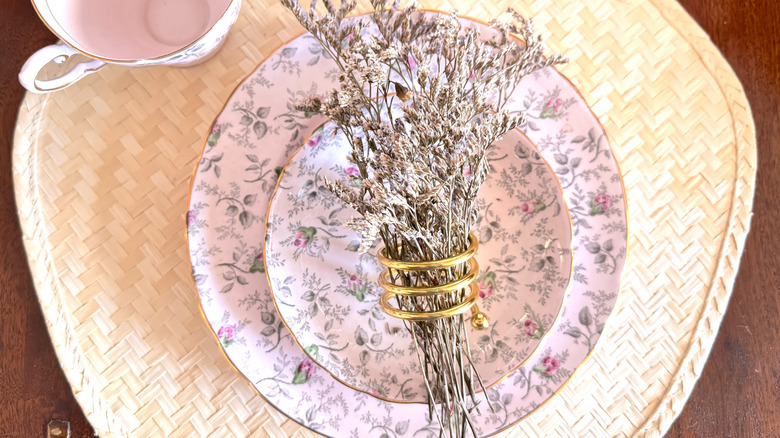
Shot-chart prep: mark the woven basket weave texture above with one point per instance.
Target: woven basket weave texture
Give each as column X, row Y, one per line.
column 102, row 170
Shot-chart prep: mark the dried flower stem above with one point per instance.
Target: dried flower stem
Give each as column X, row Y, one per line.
column 420, row 100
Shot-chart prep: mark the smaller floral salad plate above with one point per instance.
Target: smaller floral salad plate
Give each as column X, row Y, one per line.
column 327, row 294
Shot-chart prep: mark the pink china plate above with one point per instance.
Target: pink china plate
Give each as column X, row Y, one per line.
column 249, row 144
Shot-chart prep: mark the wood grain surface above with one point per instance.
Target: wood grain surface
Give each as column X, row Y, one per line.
column 738, row 394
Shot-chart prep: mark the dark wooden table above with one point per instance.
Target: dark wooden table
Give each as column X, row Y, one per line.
column 738, row 394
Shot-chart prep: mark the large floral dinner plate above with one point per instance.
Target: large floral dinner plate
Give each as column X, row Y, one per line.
column 327, row 293
column 250, row 142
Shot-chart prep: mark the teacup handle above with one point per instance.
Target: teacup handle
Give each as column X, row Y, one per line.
column 58, row 53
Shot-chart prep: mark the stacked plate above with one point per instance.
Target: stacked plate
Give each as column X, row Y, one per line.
column 295, row 305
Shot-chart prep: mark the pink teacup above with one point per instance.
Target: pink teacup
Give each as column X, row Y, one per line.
column 127, row 32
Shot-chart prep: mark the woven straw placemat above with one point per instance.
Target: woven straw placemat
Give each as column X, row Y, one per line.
column 102, row 172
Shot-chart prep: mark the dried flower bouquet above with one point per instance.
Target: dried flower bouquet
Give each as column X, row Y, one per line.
column 420, row 100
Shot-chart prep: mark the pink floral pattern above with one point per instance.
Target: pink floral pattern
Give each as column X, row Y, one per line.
column 303, row 236
column 485, row 290
column 353, row 175
column 532, row 206
column 300, row 241
column 600, row 204
column 303, row 372
column 486, row 283
column 356, row 287
column 532, row 329
column 259, row 263
column 226, row 335
column 553, row 108
column 354, row 282
column 378, row 392
column 551, row 365
column 315, row 139
column 214, row 135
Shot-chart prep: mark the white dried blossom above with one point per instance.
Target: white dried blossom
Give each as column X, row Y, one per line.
column 420, row 100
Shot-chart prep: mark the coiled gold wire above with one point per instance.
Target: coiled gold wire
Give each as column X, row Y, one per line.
column 393, row 290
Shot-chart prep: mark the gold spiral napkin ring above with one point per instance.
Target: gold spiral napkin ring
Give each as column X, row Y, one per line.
column 394, row 290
